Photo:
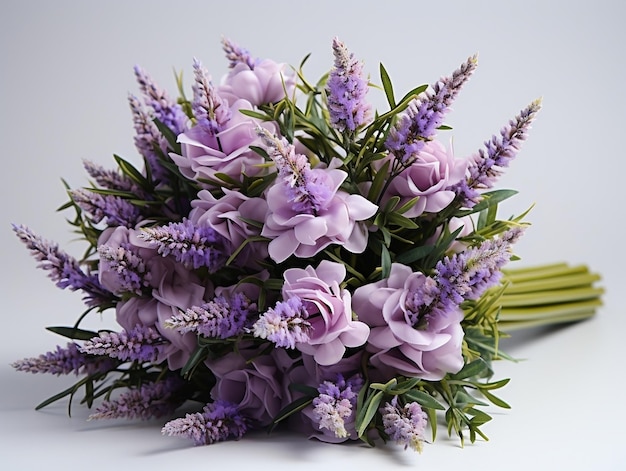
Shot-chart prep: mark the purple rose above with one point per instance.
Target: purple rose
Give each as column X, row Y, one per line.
column 304, row 234
column 428, row 352
column 329, row 309
column 251, row 381
column 265, row 83
column 428, row 177
column 228, row 152
column 227, row 216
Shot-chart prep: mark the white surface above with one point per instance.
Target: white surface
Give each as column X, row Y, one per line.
column 66, row 70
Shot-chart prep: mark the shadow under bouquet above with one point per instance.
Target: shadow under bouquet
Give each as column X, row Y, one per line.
column 288, row 256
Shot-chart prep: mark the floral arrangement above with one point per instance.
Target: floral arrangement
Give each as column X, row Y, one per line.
column 287, row 256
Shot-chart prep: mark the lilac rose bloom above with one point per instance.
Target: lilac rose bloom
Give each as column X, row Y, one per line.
column 337, row 220
column 431, row 174
column 227, row 216
column 251, row 381
column 267, row 82
column 228, row 152
column 427, row 352
column 329, row 311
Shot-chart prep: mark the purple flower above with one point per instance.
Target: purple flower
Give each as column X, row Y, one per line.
column 218, row 421
column 346, row 90
column 487, row 165
column 65, row 360
column 165, row 109
column 110, row 179
column 428, row 177
column 425, row 114
column 204, row 155
column 150, row 400
column 227, row 216
column 285, row 324
column 217, row 318
column 64, row 269
column 139, row 344
column 401, row 341
column 251, row 381
column 329, row 311
column 306, row 209
column 113, row 210
column 149, row 141
column 193, row 246
column 257, row 81
column 126, row 269
column 236, row 54
column 209, row 109
column 334, row 408
column 405, row 425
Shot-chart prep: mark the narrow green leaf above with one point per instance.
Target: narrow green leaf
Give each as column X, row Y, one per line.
column 73, row 333
column 371, row 407
column 290, row 409
column 423, row 399
column 472, row 369
column 495, row 399
column 131, row 172
column 197, row 357
column 385, row 261
column 414, row 254
column 387, row 86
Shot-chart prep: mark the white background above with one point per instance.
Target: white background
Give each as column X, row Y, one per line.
column 66, row 69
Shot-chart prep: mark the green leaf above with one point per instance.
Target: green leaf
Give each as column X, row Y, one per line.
column 385, row 261
column 290, row 409
column 197, row 357
column 495, row 399
column 472, row 369
column 387, row 86
column 490, row 198
column 414, row 93
column 255, row 114
column 414, row 254
column 168, row 134
column 423, row 399
column 131, row 172
column 369, row 411
column 73, row 333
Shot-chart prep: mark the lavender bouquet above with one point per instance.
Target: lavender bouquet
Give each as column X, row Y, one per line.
column 287, row 256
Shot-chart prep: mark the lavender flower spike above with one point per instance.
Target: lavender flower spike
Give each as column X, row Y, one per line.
column 335, row 404
column 405, row 425
column 109, row 179
column 237, row 55
column 215, row 319
column 145, row 402
column 113, row 210
column 140, row 344
column 64, row 361
column 211, row 111
column 165, row 109
column 192, row 246
column 285, row 324
column 307, row 189
column 346, row 90
column 132, row 274
column 486, row 166
column 426, row 113
column 148, row 140
column 468, row 274
column 218, row 421
column 63, row 269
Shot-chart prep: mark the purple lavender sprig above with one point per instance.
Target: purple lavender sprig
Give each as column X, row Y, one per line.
column 190, row 245
column 405, row 425
column 346, row 89
column 209, row 109
column 65, row 360
column 131, row 271
column 285, row 324
column 487, row 165
column 218, row 421
column 238, row 55
column 142, row 344
column 64, row 269
column 113, row 210
column 148, row 140
column 110, row 179
column 165, row 109
column 150, row 400
column 425, row 114
column 336, row 403
column 307, row 189
column 217, row 318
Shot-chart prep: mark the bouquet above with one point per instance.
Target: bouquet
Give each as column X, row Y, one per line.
column 289, row 257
